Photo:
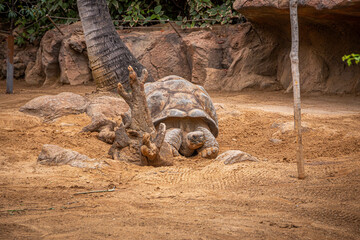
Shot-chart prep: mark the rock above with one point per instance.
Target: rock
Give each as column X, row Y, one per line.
column 163, row 53
column 50, row 45
column 289, row 126
column 219, row 106
column 34, row 74
column 19, row 69
column 235, row 156
column 101, row 110
column 46, row 69
column 73, row 61
column 110, row 107
column 204, row 52
column 22, row 57
column 102, row 125
column 51, row 107
column 214, row 78
column 252, row 61
column 275, row 141
column 226, row 111
column 54, row 155
column 321, row 24
column 233, row 58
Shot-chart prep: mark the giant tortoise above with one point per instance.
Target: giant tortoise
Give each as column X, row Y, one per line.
column 189, row 116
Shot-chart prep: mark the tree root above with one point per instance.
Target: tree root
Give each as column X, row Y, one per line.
column 139, row 131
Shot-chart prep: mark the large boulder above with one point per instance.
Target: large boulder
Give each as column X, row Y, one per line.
column 110, row 107
column 53, row 155
column 46, row 68
column 51, row 107
column 328, row 30
column 163, row 53
column 204, row 52
column 63, row 58
column 73, row 60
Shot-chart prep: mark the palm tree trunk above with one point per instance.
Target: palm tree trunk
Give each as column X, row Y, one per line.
column 109, row 57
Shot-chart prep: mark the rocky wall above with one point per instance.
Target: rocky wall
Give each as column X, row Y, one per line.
column 252, row 55
column 328, row 30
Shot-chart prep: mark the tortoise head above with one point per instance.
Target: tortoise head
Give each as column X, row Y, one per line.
column 195, row 139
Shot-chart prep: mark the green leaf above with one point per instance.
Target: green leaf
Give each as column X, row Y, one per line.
column 116, row 4
column 147, row 19
column 127, row 18
column 12, row 14
column 31, row 31
column 157, row 9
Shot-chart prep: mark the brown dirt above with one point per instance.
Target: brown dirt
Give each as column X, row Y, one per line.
column 195, row 198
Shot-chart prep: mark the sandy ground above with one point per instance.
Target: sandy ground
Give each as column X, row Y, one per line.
column 195, row 198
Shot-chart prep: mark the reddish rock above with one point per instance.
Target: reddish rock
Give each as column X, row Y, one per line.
column 50, row 107
column 46, row 69
column 53, row 155
column 73, row 61
column 328, row 30
column 109, row 106
column 163, row 53
column 204, row 52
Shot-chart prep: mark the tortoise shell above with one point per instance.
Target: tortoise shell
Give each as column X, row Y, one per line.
column 175, row 97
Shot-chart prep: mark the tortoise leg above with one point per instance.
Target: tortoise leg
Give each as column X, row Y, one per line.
column 210, row 149
column 172, row 142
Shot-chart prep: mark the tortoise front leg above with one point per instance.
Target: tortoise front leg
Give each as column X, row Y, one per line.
column 210, row 149
column 172, row 142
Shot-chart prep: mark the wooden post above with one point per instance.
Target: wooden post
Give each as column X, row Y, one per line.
column 10, row 64
column 294, row 57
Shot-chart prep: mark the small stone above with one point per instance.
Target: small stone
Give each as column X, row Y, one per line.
column 235, row 156
column 67, row 124
column 275, row 141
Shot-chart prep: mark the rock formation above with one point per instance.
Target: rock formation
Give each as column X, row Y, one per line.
column 252, row 55
column 328, row 30
column 51, row 107
column 53, row 155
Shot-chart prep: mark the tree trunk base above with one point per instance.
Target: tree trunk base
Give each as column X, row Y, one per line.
column 138, row 141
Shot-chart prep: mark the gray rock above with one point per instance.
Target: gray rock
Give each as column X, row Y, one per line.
column 73, row 63
column 289, row 126
column 54, row 155
column 51, row 107
column 110, row 107
column 275, row 141
column 235, row 156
